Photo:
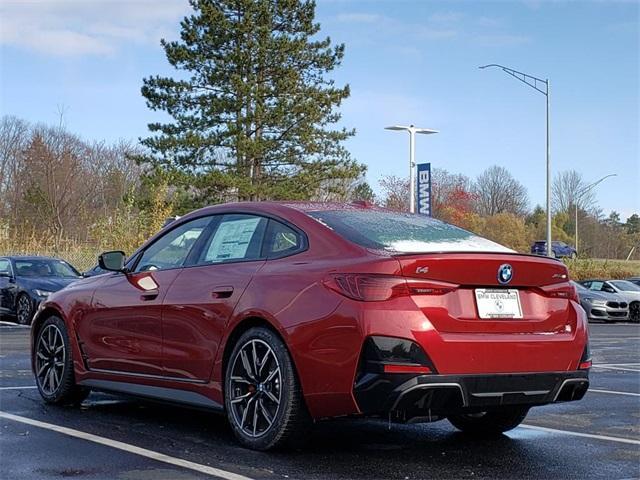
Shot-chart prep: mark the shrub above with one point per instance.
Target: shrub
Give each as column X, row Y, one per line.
column 584, row 269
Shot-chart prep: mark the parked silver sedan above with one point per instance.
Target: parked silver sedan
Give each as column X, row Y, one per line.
column 602, row 306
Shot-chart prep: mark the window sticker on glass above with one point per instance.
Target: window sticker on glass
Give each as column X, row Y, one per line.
column 232, row 239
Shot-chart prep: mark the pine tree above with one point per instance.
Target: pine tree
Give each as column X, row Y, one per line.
column 252, row 110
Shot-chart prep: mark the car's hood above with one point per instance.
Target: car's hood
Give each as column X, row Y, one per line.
column 599, row 296
column 49, row 284
column 629, row 296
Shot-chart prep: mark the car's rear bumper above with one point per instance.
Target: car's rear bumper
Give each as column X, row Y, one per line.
column 404, row 397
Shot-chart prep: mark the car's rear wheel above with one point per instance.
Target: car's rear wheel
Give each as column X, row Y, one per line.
column 263, row 397
column 55, row 378
column 490, row 423
column 24, row 309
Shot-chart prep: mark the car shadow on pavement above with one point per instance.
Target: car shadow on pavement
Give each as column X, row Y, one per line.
column 352, row 448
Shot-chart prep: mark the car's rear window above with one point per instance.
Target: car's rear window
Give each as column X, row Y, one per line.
column 402, row 232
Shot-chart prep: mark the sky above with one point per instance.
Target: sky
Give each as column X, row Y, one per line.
column 406, row 61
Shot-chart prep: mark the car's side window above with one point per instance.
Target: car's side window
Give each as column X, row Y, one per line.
column 596, row 286
column 172, row 249
column 5, row 266
column 238, row 237
column 281, row 240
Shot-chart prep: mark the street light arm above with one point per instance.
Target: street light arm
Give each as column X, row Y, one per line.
column 591, row 185
column 523, row 77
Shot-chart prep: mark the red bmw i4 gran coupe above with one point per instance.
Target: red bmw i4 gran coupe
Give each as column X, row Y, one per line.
column 279, row 314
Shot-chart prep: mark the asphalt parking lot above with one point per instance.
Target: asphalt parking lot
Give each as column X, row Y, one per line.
column 112, row 437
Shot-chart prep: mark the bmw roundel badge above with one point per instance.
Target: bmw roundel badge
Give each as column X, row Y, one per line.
column 505, row 273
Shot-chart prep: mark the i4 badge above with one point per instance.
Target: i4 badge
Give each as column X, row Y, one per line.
column 505, row 273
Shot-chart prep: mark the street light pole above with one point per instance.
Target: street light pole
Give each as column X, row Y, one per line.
column 579, row 196
column 549, row 244
column 412, row 170
column 544, row 87
column 412, row 158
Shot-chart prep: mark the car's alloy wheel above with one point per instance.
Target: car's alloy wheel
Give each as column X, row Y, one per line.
column 53, row 362
column 255, row 393
column 23, row 310
column 263, row 398
column 634, row 312
column 50, row 359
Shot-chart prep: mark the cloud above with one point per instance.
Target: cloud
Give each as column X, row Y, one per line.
column 489, row 22
column 77, row 28
column 436, row 33
column 359, row 18
column 501, row 40
column 446, row 17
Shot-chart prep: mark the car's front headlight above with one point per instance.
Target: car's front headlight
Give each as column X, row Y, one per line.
column 42, row 293
column 599, row 303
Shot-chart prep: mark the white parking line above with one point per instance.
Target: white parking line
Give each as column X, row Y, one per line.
column 585, row 435
column 617, row 365
column 11, row 324
column 143, row 452
column 18, row 388
column 615, row 392
column 626, row 369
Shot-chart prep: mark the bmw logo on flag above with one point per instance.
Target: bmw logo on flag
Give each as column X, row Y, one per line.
column 505, row 273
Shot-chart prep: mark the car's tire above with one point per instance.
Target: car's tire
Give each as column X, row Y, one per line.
column 24, row 309
column 634, row 312
column 490, row 423
column 53, row 363
column 262, row 395
column 573, row 255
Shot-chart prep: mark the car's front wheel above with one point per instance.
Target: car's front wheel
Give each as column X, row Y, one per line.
column 490, row 423
column 263, row 397
column 53, row 362
column 24, row 309
column 634, row 312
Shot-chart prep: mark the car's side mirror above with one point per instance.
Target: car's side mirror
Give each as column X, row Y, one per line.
column 112, row 261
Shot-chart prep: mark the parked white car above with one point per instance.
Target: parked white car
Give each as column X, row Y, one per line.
column 624, row 288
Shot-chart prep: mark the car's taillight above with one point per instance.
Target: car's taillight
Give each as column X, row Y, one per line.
column 377, row 288
column 561, row 290
column 585, row 359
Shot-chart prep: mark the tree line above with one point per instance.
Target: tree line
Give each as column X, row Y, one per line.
column 251, row 113
column 496, row 206
column 57, row 189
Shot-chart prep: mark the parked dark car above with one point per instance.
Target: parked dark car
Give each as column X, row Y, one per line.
column 559, row 249
column 602, row 306
column 97, row 270
column 635, row 280
column 26, row 281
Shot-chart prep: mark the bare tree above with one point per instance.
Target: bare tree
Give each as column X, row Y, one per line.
column 14, row 136
column 568, row 191
column 53, row 184
column 497, row 191
column 395, row 192
column 448, row 190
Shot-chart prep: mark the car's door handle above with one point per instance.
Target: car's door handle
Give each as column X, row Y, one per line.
column 222, row 292
column 150, row 295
